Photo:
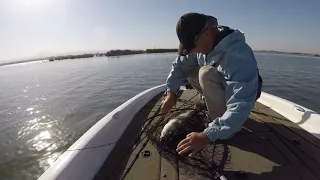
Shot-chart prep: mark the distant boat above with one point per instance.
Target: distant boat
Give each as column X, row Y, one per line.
column 280, row 140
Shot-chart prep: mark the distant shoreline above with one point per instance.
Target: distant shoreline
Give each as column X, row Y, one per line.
column 119, row 52
column 296, row 53
column 111, row 53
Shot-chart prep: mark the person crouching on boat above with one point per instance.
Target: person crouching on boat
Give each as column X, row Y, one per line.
column 219, row 64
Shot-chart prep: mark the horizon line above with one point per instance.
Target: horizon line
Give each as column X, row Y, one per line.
column 105, row 51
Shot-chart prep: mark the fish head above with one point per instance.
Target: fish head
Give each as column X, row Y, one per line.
column 177, row 129
column 171, row 127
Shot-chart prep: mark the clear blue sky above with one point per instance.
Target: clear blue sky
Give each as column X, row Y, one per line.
column 31, row 28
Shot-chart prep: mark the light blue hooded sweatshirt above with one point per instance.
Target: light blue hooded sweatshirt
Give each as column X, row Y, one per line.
column 235, row 60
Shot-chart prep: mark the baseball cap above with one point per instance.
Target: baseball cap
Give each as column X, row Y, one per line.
column 189, row 27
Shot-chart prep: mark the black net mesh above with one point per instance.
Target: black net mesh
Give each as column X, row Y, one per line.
column 203, row 164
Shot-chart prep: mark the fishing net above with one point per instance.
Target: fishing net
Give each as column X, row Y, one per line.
column 205, row 163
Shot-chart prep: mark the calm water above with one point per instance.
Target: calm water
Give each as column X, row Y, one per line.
column 45, row 107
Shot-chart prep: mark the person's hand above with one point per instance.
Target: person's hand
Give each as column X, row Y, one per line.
column 168, row 102
column 194, row 142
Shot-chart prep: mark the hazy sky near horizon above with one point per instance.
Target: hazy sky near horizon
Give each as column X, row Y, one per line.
column 33, row 28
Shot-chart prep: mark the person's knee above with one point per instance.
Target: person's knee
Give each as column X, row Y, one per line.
column 207, row 72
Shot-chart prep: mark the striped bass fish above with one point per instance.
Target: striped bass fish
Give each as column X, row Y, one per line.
column 179, row 127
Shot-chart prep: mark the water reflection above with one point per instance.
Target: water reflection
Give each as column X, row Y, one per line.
column 48, row 159
column 41, row 137
column 29, row 109
column 41, row 141
column 32, row 110
column 44, row 140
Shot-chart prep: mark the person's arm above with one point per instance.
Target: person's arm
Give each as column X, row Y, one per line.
column 240, row 94
column 179, row 72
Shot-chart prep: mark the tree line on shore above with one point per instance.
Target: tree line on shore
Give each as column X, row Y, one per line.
column 121, row 52
column 117, row 52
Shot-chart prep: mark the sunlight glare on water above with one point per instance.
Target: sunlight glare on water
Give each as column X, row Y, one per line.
column 40, row 141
